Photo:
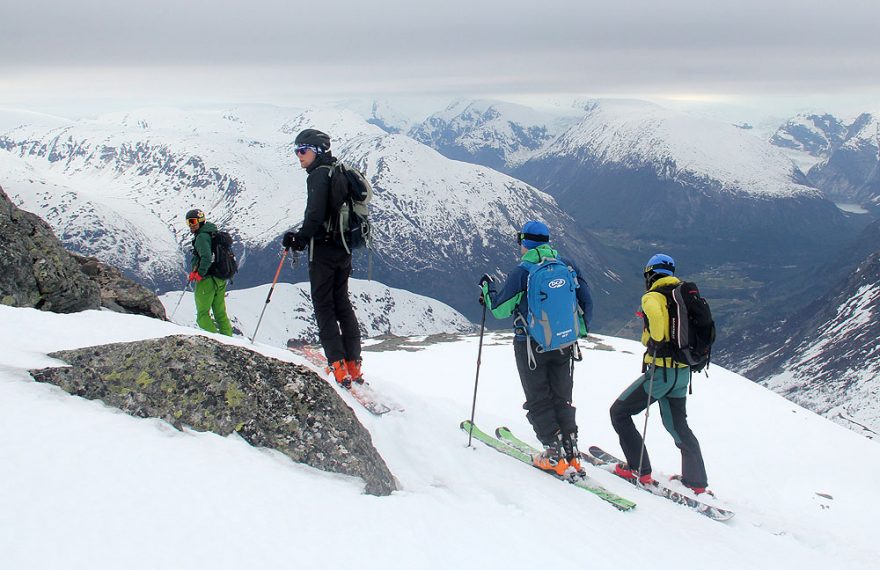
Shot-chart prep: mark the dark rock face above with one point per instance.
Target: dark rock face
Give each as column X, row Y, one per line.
column 118, row 293
column 35, row 270
column 209, row 386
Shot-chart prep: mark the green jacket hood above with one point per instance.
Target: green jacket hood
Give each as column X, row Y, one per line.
column 207, row 227
column 543, row 251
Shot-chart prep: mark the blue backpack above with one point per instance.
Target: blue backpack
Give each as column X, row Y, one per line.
column 554, row 315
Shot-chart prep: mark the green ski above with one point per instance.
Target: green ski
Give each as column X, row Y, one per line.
column 523, row 452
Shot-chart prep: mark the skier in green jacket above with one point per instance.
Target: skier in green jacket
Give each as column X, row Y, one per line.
column 210, row 291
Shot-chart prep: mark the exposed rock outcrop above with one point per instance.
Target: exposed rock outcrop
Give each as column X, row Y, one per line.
column 198, row 382
column 119, row 293
column 35, row 270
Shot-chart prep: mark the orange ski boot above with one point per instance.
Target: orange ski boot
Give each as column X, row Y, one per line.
column 550, row 460
column 340, row 373
column 354, row 370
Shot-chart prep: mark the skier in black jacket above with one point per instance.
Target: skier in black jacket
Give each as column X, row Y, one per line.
column 329, row 262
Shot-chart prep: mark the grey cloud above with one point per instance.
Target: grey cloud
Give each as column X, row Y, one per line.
column 455, row 45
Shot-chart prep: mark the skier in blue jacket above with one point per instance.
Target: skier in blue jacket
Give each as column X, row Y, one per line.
column 547, row 377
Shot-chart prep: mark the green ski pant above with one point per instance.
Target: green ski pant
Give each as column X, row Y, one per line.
column 211, row 296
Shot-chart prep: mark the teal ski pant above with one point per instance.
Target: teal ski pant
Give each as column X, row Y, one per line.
column 669, row 388
column 211, row 297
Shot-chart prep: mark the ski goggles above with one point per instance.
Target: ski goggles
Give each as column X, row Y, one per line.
column 520, row 236
column 192, row 221
column 304, row 148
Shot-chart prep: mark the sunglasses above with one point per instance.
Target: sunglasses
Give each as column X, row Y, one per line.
column 303, row 149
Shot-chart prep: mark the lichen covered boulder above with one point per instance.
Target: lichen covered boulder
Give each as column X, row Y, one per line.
column 209, row 386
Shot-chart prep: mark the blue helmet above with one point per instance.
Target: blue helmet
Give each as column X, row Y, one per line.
column 660, row 263
column 533, row 234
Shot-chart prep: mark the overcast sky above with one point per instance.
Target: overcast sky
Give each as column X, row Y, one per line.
column 96, row 54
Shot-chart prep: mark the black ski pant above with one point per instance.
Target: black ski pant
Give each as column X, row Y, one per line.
column 548, row 391
column 338, row 330
column 670, row 390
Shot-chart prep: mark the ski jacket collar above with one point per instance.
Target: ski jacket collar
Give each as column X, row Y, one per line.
column 207, row 228
column 665, row 281
column 323, row 159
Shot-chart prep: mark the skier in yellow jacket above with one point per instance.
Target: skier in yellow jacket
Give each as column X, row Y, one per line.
column 663, row 380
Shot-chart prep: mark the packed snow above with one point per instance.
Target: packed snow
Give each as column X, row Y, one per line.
column 85, row 486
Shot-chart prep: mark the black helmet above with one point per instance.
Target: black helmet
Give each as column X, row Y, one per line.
column 313, row 137
column 196, row 214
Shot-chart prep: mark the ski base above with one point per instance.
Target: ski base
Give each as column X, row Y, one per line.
column 524, row 452
column 605, row 460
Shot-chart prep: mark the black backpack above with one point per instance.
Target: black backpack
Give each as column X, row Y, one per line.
column 691, row 328
column 348, row 220
column 224, row 265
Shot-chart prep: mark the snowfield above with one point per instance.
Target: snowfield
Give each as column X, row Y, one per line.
column 86, row 486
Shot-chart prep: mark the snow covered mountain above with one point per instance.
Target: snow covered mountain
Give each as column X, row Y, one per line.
column 814, row 134
column 831, row 364
column 76, row 471
column 380, row 311
column 393, row 116
column 843, row 155
column 712, row 194
column 850, row 172
column 496, row 134
column 824, row 355
column 116, row 188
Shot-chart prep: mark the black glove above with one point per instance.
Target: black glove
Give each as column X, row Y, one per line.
column 299, row 242
column 294, row 240
column 485, row 279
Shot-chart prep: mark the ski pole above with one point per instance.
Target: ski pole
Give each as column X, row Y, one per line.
column 648, row 408
column 477, row 379
column 182, row 293
column 269, row 296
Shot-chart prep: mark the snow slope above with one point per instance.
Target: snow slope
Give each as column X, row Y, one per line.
column 85, row 486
